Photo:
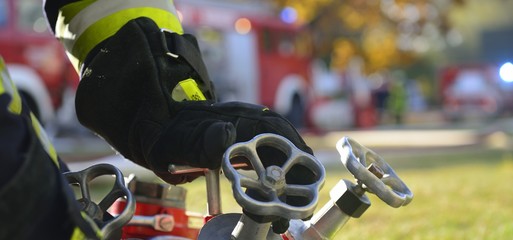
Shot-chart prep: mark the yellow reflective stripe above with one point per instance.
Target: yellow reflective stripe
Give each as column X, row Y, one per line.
column 90, row 221
column 82, row 14
column 3, row 75
column 187, row 90
column 77, row 234
column 43, row 138
column 191, row 89
column 81, row 18
column 7, row 86
column 15, row 106
column 107, row 26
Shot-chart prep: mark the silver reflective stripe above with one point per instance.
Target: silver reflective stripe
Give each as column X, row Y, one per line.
column 69, row 30
column 103, row 8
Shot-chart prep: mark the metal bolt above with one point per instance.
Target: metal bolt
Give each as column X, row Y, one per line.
column 274, row 175
column 164, row 222
column 376, row 170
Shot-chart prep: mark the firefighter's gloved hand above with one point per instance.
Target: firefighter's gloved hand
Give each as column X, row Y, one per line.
column 250, row 120
column 240, row 122
column 125, row 96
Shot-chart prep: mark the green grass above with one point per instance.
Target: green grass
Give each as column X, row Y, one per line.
column 457, row 202
column 462, row 195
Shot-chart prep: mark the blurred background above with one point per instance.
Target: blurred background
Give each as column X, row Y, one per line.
column 428, row 84
column 325, row 65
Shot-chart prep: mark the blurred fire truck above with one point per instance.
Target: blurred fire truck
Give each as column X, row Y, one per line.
column 35, row 59
column 472, row 91
column 252, row 55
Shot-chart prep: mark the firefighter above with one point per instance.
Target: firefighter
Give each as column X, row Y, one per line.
column 144, row 89
column 35, row 199
column 137, row 67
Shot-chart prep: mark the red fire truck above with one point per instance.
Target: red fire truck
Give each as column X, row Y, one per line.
column 34, row 58
column 472, row 91
column 252, row 55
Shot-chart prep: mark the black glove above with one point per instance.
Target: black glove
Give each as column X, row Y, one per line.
column 125, row 96
column 249, row 120
column 124, row 93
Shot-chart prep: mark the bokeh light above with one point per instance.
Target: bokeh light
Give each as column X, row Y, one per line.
column 243, row 26
column 506, row 72
column 288, row 15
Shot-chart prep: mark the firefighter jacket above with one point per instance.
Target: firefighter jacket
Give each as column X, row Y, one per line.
column 35, row 199
column 82, row 25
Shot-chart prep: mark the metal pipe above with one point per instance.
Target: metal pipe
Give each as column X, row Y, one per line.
column 246, row 228
column 159, row 222
column 213, row 191
column 326, row 223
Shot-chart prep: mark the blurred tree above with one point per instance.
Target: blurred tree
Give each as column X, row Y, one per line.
column 385, row 33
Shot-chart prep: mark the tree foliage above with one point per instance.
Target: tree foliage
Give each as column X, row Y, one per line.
column 385, row 33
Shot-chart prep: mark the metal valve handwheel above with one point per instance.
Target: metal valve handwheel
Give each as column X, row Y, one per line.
column 371, row 170
column 271, row 181
column 96, row 211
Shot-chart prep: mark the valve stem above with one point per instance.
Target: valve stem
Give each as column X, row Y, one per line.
column 376, row 170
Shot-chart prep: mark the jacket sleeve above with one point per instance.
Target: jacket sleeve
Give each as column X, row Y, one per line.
column 81, row 25
column 15, row 123
column 35, row 200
